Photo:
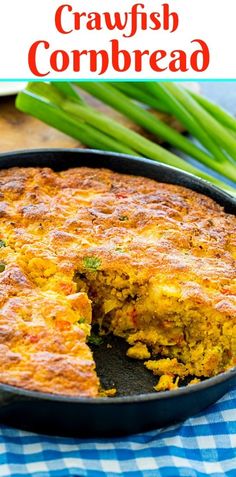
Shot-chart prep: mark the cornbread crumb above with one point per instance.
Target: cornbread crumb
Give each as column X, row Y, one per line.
column 167, row 383
column 167, row 366
column 138, row 351
column 111, row 392
column 108, row 392
column 194, row 381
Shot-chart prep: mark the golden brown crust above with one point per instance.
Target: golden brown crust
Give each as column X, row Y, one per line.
column 152, row 234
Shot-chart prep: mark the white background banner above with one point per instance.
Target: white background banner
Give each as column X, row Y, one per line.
column 162, row 54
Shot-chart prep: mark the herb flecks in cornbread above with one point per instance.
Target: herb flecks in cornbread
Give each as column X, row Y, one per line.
column 155, row 262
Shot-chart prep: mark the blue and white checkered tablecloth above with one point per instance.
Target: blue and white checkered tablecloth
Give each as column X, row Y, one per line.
column 202, row 446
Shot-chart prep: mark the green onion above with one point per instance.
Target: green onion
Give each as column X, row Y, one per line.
column 141, row 92
column 117, row 100
column 142, row 145
column 219, row 113
column 2, row 244
column 137, row 92
column 81, row 321
column 94, row 340
column 60, row 106
column 2, row 267
column 68, row 90
column 213, row 127
column 119, row 250
column 185, row 117
column 92, row 263
column 51, row 115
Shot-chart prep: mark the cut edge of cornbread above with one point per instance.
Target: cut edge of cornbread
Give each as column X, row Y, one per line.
column 176, row 337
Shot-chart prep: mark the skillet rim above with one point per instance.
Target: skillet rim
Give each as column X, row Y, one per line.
column 210, row 189
column 133, row 159
column 208, row 383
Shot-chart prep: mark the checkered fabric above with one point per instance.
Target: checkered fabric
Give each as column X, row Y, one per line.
column 202, row 446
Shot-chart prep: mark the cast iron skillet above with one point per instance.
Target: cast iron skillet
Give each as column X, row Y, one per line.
column 137, row 408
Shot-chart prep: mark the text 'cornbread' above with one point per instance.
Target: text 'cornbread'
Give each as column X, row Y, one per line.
column 150, row 262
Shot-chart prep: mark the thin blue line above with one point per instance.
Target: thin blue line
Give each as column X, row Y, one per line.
column 186, row 80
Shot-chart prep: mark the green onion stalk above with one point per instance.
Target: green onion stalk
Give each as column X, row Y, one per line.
column 148, row 121
column 60, row 106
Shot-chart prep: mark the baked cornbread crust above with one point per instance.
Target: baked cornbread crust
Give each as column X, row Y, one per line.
column 155, row 261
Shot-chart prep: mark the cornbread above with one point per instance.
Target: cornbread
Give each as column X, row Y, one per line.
column 150, row 262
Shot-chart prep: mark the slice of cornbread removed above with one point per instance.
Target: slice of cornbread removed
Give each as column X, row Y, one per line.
column 43, row 343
